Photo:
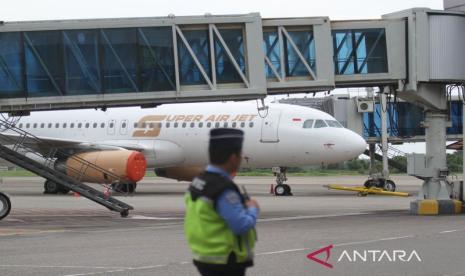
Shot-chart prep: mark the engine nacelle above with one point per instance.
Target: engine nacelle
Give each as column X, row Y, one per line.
column 126, row 164
column 179, row 173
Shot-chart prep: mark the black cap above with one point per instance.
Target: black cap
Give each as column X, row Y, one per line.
column 226, row 138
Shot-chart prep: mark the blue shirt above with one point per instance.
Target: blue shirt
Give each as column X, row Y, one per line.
column 239, row 218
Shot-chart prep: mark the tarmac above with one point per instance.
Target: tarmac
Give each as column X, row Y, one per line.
column 372, row 235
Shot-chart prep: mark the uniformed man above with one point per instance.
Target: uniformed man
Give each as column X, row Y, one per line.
column 220, row 221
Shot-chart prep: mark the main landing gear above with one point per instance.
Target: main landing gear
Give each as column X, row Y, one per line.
column 5, row 205
column 51, row 187
column 125, row 188
column 281, row 189
column 381, row 182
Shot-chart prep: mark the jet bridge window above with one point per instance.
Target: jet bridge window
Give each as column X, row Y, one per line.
column 320, row 124
column 333, row 123
column 308, row 123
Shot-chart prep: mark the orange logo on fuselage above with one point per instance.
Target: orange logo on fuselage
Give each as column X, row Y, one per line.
column 150, row 126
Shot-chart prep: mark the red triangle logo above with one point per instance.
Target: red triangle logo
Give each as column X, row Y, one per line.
column 326, row 249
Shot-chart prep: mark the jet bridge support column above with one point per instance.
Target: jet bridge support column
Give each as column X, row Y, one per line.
column 434, row 197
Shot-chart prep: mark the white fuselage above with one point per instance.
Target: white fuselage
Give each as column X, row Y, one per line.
column 177, row 134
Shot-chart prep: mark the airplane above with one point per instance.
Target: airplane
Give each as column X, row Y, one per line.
column 173, row 138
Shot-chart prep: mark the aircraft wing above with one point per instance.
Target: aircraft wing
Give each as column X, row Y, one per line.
column 45, row 144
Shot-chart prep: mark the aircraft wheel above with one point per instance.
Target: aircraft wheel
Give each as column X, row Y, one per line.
column 63, row 190
column 288, row 189
column 369, row 183
column 280, row 190
column 124, row 213
column 5, row 205
column 124, row 187
column 389, row 186
column 51, row 187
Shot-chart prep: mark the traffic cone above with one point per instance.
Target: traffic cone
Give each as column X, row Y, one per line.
column 272, row 189
column 76, row 194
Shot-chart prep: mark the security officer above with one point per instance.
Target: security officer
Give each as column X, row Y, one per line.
column 220, row 221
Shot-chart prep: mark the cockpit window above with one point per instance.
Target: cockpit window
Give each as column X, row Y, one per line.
column 320, row 124
column 308, row 124
column 333, row 123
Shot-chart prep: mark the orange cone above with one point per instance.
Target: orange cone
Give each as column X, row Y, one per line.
column 272, row 189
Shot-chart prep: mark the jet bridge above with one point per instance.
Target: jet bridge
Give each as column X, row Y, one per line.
column 48, row 65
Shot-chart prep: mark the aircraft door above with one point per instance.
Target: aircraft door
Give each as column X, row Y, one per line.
column 123, row 130
column 111, row 127
column 270, row 125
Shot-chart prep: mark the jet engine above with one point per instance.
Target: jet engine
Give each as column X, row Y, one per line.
column 179, row 173
column 126, row 164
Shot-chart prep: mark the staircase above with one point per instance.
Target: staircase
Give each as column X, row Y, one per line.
column 17, row 148
column 392, row 152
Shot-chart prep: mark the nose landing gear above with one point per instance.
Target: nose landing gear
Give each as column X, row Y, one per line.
column 281, row 189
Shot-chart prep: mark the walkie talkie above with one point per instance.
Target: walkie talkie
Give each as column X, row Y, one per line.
column 244, row 193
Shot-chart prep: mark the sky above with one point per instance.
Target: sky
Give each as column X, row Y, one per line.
column 26, row 10
column 21, row 10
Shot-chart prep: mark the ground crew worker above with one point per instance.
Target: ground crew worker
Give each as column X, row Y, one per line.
column 220, row 221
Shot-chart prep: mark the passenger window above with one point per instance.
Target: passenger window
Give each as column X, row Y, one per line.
column 234, row 124
column 320, row 124
column 64, row 125
column 57, row 125
column 20, row 125
column 209, row 125
column 176, row 125
column 167, row 125
column 102, row 125
column 123, row 125
column 192, row 125
column 112, row 125
column 184, row 125
column 95, row 125
column 87, row 125
column 71, row 125
column 79, row 125
column 225, row 124
column 42, row 125
column 28, row 125
column 217, row 125
column 308, row 123
column 200, row 125
column 35, row 125
column 251, row 124
column 135, row 125
column 242, row 124
column 49, row 125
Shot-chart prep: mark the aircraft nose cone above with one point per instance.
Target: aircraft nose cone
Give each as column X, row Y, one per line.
column 354, row 144
column 357, row 144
